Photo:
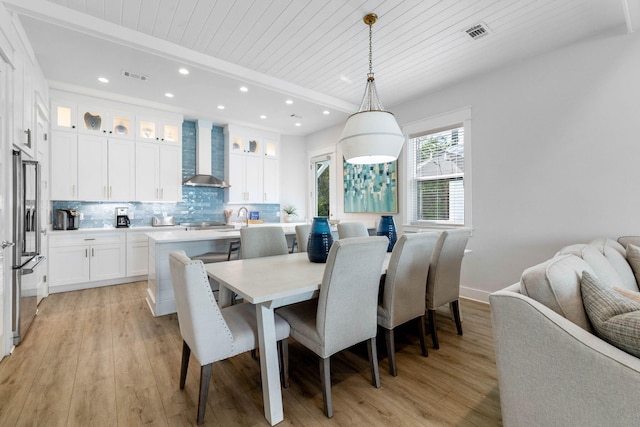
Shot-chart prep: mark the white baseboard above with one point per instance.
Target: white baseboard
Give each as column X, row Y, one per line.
column 97, row 284
column 474, row 294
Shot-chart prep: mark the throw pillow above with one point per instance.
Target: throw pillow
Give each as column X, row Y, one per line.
column 614, row 318
column 632, row 295
column 633, row 258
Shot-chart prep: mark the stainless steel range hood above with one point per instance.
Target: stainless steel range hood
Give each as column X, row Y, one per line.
column 203, row 177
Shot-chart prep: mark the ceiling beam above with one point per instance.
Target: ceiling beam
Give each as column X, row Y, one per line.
column 59, row 15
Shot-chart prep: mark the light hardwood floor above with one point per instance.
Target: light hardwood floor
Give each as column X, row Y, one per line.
column 98, row 358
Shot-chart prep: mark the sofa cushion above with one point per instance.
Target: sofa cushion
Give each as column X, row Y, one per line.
column 633, row 258
column 601, row 266
column 574, row 249
column 632, row 295
column 614, row 318
column 556, row 284
column 616, row 255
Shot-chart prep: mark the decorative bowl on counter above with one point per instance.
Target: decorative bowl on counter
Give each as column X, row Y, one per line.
column 334, row 221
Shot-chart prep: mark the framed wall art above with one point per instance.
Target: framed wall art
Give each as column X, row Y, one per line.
column 370, row 188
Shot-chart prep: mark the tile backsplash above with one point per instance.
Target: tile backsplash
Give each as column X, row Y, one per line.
column 198, row 203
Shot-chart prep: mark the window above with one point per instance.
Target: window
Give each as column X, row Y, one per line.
column 437, row 170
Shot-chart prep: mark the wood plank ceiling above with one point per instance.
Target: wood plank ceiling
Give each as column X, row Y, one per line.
column 418, row 46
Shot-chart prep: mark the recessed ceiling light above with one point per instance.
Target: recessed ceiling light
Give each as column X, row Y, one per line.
column 288, row 101
column 183, row 71
column 325, row 112
column 168, row 95
column 244, row 89
column 220, row 107
column 263, row 116
column 298, row 124
column 103, row 80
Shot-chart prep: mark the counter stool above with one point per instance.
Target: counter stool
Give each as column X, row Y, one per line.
column 210, row 257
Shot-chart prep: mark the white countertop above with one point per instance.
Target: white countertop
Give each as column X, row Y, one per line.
column 195, row 235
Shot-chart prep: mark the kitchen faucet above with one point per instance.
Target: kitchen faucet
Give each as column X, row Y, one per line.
column 246, row 215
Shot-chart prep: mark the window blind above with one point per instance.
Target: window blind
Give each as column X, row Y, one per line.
column 436, row 164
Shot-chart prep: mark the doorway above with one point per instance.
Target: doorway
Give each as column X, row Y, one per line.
column 322, row 185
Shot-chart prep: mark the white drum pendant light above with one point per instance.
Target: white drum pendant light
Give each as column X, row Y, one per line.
column 371, row 135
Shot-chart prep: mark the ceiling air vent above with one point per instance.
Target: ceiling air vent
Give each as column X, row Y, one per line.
column 478, row 31
column 136, row 76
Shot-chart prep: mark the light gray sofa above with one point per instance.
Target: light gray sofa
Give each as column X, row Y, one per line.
column 552, row 370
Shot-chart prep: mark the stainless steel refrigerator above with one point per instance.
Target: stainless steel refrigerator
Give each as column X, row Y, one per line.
column 26, row 236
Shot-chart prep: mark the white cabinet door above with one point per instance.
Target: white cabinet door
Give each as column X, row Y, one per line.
column 253, row 179
column 121, row 170
column 64, row 115
column 93, row 172
column 235, row 178
column 108, row 262
column 137, row 254
column 170, row 173
column 147, row 167
column 271, row 180
column 64, row 166
column 68, row 265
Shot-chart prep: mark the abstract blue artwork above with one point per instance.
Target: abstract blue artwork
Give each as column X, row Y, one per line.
column 371, row 188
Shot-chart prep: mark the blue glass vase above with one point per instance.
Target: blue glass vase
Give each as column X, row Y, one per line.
column 388, row 228
column 320, row 240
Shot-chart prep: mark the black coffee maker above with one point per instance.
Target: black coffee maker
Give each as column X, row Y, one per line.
column 122, row 218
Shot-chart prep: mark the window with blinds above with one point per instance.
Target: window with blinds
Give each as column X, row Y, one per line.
column 437, row 170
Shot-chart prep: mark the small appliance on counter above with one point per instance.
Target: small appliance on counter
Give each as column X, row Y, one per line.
column 66, row 219
column 164, row 221
column 122, row 218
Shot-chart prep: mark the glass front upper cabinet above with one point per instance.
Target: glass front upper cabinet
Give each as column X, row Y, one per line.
column 64, row 116
column 92, row 120
column 121, row 125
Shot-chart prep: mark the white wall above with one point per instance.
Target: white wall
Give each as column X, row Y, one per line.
column 555, row 153
column 293, row 172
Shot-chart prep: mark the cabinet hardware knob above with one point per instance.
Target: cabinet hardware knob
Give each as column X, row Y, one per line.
column 73, row 126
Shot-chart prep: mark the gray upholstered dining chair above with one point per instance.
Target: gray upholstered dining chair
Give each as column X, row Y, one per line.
column 212, row 333
column 302, row 236
column 443, row 283
column 345, row 312
column 352, row 229
column 404, row 287
column 256, row 242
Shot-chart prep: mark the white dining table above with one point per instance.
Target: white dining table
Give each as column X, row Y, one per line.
column 269, row 283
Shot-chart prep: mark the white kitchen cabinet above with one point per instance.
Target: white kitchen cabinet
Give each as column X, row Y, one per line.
column 64, row 165
column 79, row 258
column 137, row 254
column 92, row 120
column 105, row 168
column 252, row 167
column 158, row 172
column 271, row 180
column 245, row 178
column 64, row 115
column 160, row 130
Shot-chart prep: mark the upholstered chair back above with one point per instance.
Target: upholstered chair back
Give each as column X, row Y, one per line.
column 352, row 229
column 443, row 283
column 302, row 236
column 348, row 300
column 406, row 280
column 256, row 242
column 201, row 324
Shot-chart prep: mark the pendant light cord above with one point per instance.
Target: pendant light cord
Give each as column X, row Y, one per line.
column 370, row 49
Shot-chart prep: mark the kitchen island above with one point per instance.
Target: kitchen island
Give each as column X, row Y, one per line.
column 194, row 242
